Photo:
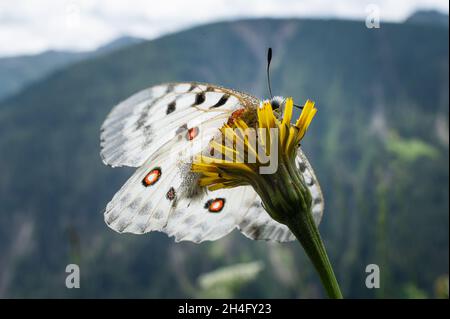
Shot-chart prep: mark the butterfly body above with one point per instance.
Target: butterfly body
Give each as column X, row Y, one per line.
column 158, row 130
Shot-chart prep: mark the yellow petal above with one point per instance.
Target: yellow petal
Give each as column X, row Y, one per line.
column 287, row 116
column 306, row 124
column 309, row 106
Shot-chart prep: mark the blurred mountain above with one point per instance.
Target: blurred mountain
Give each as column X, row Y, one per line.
column 429, row 17
column 379, row 145
column 119, row 43
column 19, row 71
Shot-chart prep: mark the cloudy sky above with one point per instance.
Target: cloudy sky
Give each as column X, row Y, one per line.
column 28, row 26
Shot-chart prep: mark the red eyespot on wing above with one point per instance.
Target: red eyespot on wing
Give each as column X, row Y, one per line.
column 215, row 205
column 192, row 133
column 152, row 177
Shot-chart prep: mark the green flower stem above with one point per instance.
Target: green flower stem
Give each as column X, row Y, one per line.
column 308, row 235
column 287, row 199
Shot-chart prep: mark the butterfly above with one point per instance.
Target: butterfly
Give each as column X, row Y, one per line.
column 148, row 131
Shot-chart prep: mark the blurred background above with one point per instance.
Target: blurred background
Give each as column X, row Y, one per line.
column 378, row 71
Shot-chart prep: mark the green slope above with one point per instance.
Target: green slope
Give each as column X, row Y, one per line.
column 379, row 145
column 19, row 71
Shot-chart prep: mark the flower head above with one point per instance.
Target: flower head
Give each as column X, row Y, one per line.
column 247, row 142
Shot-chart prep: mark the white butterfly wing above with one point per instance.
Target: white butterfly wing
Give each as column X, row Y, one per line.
column 318, row 203
column 193, row 219
column 138, row 126
column 258, row 225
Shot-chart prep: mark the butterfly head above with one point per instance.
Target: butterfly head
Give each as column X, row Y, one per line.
column 277, row 103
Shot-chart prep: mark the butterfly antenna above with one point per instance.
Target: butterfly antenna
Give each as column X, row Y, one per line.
column 269, row 58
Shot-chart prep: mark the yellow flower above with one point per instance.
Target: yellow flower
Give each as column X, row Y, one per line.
column 232, row 167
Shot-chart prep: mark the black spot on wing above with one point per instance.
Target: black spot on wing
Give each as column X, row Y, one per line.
column 170, row 195
column 146, row 208
column 254, row 231
column 135, row 203
column 302, row 167
column 122, row 225
column 169, row 88
column 222, row 101
column 141, row 121
column 148, row 135
column 158, row 214
column 145, row 111
column 181, row 129
column 111, row 218
column 125, row 199
column 171, row 107
column 199, row 98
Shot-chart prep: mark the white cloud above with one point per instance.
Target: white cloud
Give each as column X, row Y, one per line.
column 30, row 27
